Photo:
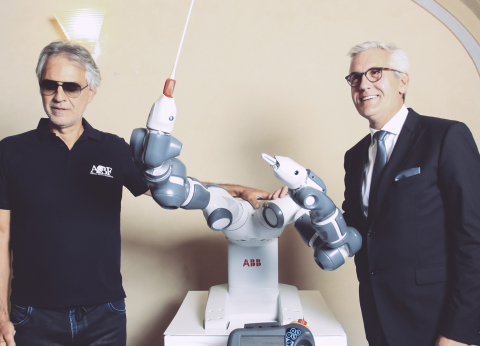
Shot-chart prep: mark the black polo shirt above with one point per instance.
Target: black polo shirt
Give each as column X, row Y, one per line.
column 65, row 215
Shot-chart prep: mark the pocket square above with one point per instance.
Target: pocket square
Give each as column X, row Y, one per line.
column 407, row 173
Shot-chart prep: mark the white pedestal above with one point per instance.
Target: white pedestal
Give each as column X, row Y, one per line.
column 186, row 328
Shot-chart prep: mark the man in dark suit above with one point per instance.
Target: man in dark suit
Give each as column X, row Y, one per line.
column 412, row 189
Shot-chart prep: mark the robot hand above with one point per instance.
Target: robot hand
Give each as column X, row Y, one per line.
column 324, row 227
column 154, row 151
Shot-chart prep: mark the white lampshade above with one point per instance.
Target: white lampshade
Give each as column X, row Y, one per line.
column 82, row 26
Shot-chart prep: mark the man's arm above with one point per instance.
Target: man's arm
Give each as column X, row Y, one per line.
column 247, row 193
column 6, row 327
column 459, row 182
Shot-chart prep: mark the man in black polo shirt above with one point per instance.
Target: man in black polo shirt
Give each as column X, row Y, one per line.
column 60, row 194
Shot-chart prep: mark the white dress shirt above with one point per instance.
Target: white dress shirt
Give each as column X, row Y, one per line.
column 393, row 127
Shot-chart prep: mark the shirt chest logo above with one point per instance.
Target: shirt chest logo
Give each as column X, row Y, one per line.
column 101, row 170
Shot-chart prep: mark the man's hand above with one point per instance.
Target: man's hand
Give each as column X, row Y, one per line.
column 280, row 193
column 252, row 195
column 246, row 193
column 6, row 332
column 443, row 341
column 6, row 327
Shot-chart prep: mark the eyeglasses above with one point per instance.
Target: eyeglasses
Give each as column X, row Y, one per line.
column 373, row 74
column 49, row 87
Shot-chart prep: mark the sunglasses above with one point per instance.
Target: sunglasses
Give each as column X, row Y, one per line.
column 49, row 87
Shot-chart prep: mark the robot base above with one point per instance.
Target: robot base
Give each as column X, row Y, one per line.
column 228, row 305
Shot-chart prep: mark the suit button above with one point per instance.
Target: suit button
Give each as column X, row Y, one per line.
column 375, row 272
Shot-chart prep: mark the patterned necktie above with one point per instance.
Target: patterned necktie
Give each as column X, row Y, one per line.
column 380, row 162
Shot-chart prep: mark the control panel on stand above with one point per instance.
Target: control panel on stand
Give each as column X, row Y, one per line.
column 272, row 334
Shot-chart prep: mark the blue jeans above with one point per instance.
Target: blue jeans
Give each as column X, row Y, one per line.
column 91, row 325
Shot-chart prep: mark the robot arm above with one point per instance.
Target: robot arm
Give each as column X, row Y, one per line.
column 324, row 227
column 155, row 154
column 155, row 151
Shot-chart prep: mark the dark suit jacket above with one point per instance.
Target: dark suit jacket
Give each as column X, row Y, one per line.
column 419, row 265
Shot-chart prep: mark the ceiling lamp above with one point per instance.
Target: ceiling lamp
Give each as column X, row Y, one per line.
column 82, row 26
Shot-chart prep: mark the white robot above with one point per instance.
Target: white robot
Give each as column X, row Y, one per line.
column 253, row 293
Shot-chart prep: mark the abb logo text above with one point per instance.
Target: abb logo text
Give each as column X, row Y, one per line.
column 252, row 263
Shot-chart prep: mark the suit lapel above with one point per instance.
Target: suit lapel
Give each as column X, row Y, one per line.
column 409, row 135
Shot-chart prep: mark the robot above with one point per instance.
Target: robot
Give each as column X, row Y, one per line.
column 253, row 293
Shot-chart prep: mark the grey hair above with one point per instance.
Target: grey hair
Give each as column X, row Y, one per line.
column 74, row 52
column 398, row 57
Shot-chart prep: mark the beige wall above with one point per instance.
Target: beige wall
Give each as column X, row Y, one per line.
column 254, row 76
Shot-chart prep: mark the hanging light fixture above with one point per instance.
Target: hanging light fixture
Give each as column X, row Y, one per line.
column 82, row 26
